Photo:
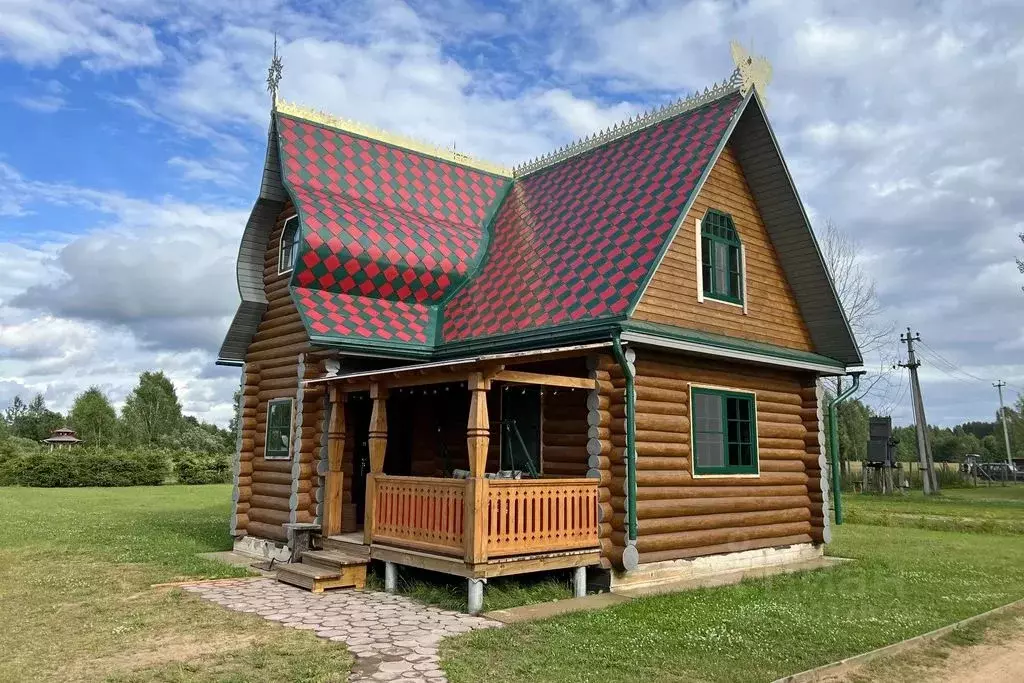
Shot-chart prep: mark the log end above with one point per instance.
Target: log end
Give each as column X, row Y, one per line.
column 630, row 558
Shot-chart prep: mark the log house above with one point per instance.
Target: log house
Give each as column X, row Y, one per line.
column 609, row 357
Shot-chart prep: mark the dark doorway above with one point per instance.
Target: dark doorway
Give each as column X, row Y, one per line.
column 360, row 408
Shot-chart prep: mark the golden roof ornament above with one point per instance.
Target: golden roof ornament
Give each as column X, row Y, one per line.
column 751, row 71
column 274, row 75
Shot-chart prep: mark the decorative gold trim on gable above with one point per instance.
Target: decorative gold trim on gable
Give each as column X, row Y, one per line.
column 374, row 133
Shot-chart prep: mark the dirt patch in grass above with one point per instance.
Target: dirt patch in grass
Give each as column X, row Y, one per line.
column 156, row 653
column 983, row 651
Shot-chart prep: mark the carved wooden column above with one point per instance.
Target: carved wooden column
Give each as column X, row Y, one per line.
column 334, row 480
column 478, row 438
column 378, row 444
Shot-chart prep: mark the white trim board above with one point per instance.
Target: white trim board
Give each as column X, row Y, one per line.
column 695, row 347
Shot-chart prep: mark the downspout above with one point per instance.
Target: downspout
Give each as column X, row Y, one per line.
column 833, row 444
column 630, row 556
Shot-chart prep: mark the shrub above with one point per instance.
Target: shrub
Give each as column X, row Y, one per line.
column 86, row 467
column 207, row 468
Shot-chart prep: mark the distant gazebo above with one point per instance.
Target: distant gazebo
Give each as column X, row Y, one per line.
column 64, row 437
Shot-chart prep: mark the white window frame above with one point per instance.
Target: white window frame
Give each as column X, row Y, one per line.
column 700, row 271
column 283, row 268
column 291, row 428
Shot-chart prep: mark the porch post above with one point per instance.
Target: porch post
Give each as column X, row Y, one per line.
column 378, row 443
column 334, row 480
column 478, row 438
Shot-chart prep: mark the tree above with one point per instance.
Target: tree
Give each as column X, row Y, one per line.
column 32, row 421
column 151, row 410
column 851, row 431
column 17, row 409
column 852, row 417
column 236, row 411
column 93, row 418
column 856, row 290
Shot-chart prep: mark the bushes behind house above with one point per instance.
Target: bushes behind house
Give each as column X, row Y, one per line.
column 84, row 467
column 212, row 468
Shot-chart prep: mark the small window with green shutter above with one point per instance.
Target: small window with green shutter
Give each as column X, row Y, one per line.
column 721, row 258
column 279, row 429
column 723, row 426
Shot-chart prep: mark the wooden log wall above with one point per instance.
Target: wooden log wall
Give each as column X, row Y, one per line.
column 564, row 433
column 601, row 451
column 273, row 492
column 671, row 298
column 681, row 516
column 813, row 405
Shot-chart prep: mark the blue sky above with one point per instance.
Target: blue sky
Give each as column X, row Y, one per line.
column 135, row 134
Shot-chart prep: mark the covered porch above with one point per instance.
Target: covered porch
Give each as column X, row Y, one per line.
column 473, row 468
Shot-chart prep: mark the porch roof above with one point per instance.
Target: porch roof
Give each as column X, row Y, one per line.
column 452, row 365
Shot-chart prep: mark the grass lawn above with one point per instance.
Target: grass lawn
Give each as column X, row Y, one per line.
column 905, row 582
column 988, row 509
column 76, row 567
column 449, row 592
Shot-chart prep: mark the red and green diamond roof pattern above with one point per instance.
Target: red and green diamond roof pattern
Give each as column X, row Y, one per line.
column 394, row 241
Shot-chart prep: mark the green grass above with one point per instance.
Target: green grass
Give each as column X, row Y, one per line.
column 989, row 509
column 76, row 566
column 503, row 592
column 904, row 582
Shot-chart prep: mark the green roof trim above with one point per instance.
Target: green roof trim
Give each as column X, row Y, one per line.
column 722, row 343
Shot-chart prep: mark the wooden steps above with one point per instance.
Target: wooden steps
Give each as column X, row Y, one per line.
column 349, row 544
column 321, row 570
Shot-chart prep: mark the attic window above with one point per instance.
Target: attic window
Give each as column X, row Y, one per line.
column 721, row 258
column 289, row 246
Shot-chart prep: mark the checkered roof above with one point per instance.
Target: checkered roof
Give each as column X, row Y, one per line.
column 392, row 239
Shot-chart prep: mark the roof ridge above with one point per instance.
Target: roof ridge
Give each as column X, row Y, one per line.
column 381, row 135
column 684, row 104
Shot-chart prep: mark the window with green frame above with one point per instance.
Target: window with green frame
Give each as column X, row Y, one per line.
column 724, row 429
column 720, row 257
column 279, row 429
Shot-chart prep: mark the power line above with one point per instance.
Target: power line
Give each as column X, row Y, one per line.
column 948, row 372
column 953, row 365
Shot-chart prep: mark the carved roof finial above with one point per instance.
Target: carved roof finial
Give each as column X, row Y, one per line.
column 274, row 75
column 751, row 72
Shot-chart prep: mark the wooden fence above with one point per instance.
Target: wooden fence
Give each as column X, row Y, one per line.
column 540, row 515
column 421, row 513
column 519, row 517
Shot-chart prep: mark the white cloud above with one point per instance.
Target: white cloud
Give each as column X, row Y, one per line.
column 45, row 32
column 222, row 172
column 896, row 120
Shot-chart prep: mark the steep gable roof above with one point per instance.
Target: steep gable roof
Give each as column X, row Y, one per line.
column 575, row 241
column 414, row 254
column 386, row 232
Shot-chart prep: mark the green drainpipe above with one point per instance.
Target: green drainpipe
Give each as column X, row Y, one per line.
column 833, row 444
column 630, row 557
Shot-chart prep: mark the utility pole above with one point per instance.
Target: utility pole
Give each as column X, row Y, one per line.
column 1002, row 412
column 924, row 451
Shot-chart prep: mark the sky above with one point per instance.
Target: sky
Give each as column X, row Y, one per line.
column 134, row 135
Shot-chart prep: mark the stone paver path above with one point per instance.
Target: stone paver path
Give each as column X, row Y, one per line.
column 392, row 638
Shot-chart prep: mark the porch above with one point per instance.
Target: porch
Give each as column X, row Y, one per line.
column 479, row 496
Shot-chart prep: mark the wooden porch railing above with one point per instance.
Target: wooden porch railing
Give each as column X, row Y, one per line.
column 419, row 512
column 517, row 517
column 527, row 516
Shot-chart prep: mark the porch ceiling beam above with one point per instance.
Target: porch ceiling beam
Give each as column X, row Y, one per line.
column 413, row 380
column 520, row 377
